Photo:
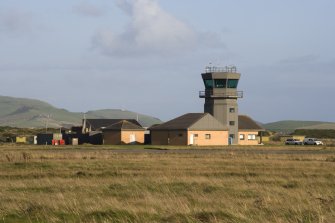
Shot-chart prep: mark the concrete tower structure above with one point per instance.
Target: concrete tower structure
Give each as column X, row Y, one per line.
column 221, row 97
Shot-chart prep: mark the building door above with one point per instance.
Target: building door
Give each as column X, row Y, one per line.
column 231, row 139
column 194, row 139
column 132, row 139
column 191, row 139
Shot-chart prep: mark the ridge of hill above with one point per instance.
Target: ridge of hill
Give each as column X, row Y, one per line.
column 322, row 126
column 291, row 125
column 32, row 113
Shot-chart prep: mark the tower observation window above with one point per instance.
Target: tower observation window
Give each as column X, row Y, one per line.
column 220, row 83
column 232, row 83
column 208, row 83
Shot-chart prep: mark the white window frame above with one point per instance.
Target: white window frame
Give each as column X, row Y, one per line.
column 251, row 136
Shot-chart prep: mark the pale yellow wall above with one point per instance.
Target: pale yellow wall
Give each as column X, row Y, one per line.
column 21, row 139
column 139, row 137
column 122, row 137
column 299, row 137
column 218, row 138
column 284, row 138
column 266, row 138
column 246, row 141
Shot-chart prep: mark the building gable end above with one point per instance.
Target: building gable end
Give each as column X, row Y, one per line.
column 207, row 122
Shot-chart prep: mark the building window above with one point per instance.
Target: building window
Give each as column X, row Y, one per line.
column 180, row 134
column 241, row 136
column 208, row 83
column 232, row 83
column 231, row 122
column 195, row 135
column 232, row 136
column 207, row 136
column 220, row 83
column 251, row 137
column 232, row 110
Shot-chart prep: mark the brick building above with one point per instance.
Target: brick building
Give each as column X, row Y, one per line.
column 190, row 129
column 123, row 132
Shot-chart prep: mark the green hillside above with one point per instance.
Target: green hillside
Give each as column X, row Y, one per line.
column 30, row 113
column 22, row 112
column 322, row 126
column 291, row 125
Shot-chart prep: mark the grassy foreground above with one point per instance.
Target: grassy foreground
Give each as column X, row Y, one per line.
column 103, row 185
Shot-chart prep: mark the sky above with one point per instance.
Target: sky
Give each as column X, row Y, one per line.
column 147, row 56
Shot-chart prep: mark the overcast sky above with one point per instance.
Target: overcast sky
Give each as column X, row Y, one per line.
column 147, row 55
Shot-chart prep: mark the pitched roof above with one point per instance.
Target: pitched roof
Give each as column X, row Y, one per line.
column 247, row 123
column 123, row 125
column 191, row 121
column 100, row 123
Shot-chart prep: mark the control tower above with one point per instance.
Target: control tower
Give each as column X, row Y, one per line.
column 221, row 97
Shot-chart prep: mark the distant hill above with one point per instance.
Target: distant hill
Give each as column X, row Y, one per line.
column 323, row 126
column 30, row 113
column 21, row 112
column 291, row 125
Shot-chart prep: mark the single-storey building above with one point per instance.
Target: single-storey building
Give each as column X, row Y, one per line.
column 90, row 125
column 123, row 132
column 94, row 128
column 248, row 131
column 190, row 129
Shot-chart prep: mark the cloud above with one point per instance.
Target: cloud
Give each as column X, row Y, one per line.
column 151, row 30
column 15, row 21
column 87, row 9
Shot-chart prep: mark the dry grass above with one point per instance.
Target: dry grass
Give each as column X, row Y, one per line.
column 102, row 185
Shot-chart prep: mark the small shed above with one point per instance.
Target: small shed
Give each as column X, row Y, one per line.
column 44, row 138
column 123, row 132
column 21, row 139
column 190, row 129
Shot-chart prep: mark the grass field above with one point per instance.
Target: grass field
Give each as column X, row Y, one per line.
column 102, row 184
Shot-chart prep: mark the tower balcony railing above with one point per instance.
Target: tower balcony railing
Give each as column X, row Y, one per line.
column 211, row 94
column 229, row 69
